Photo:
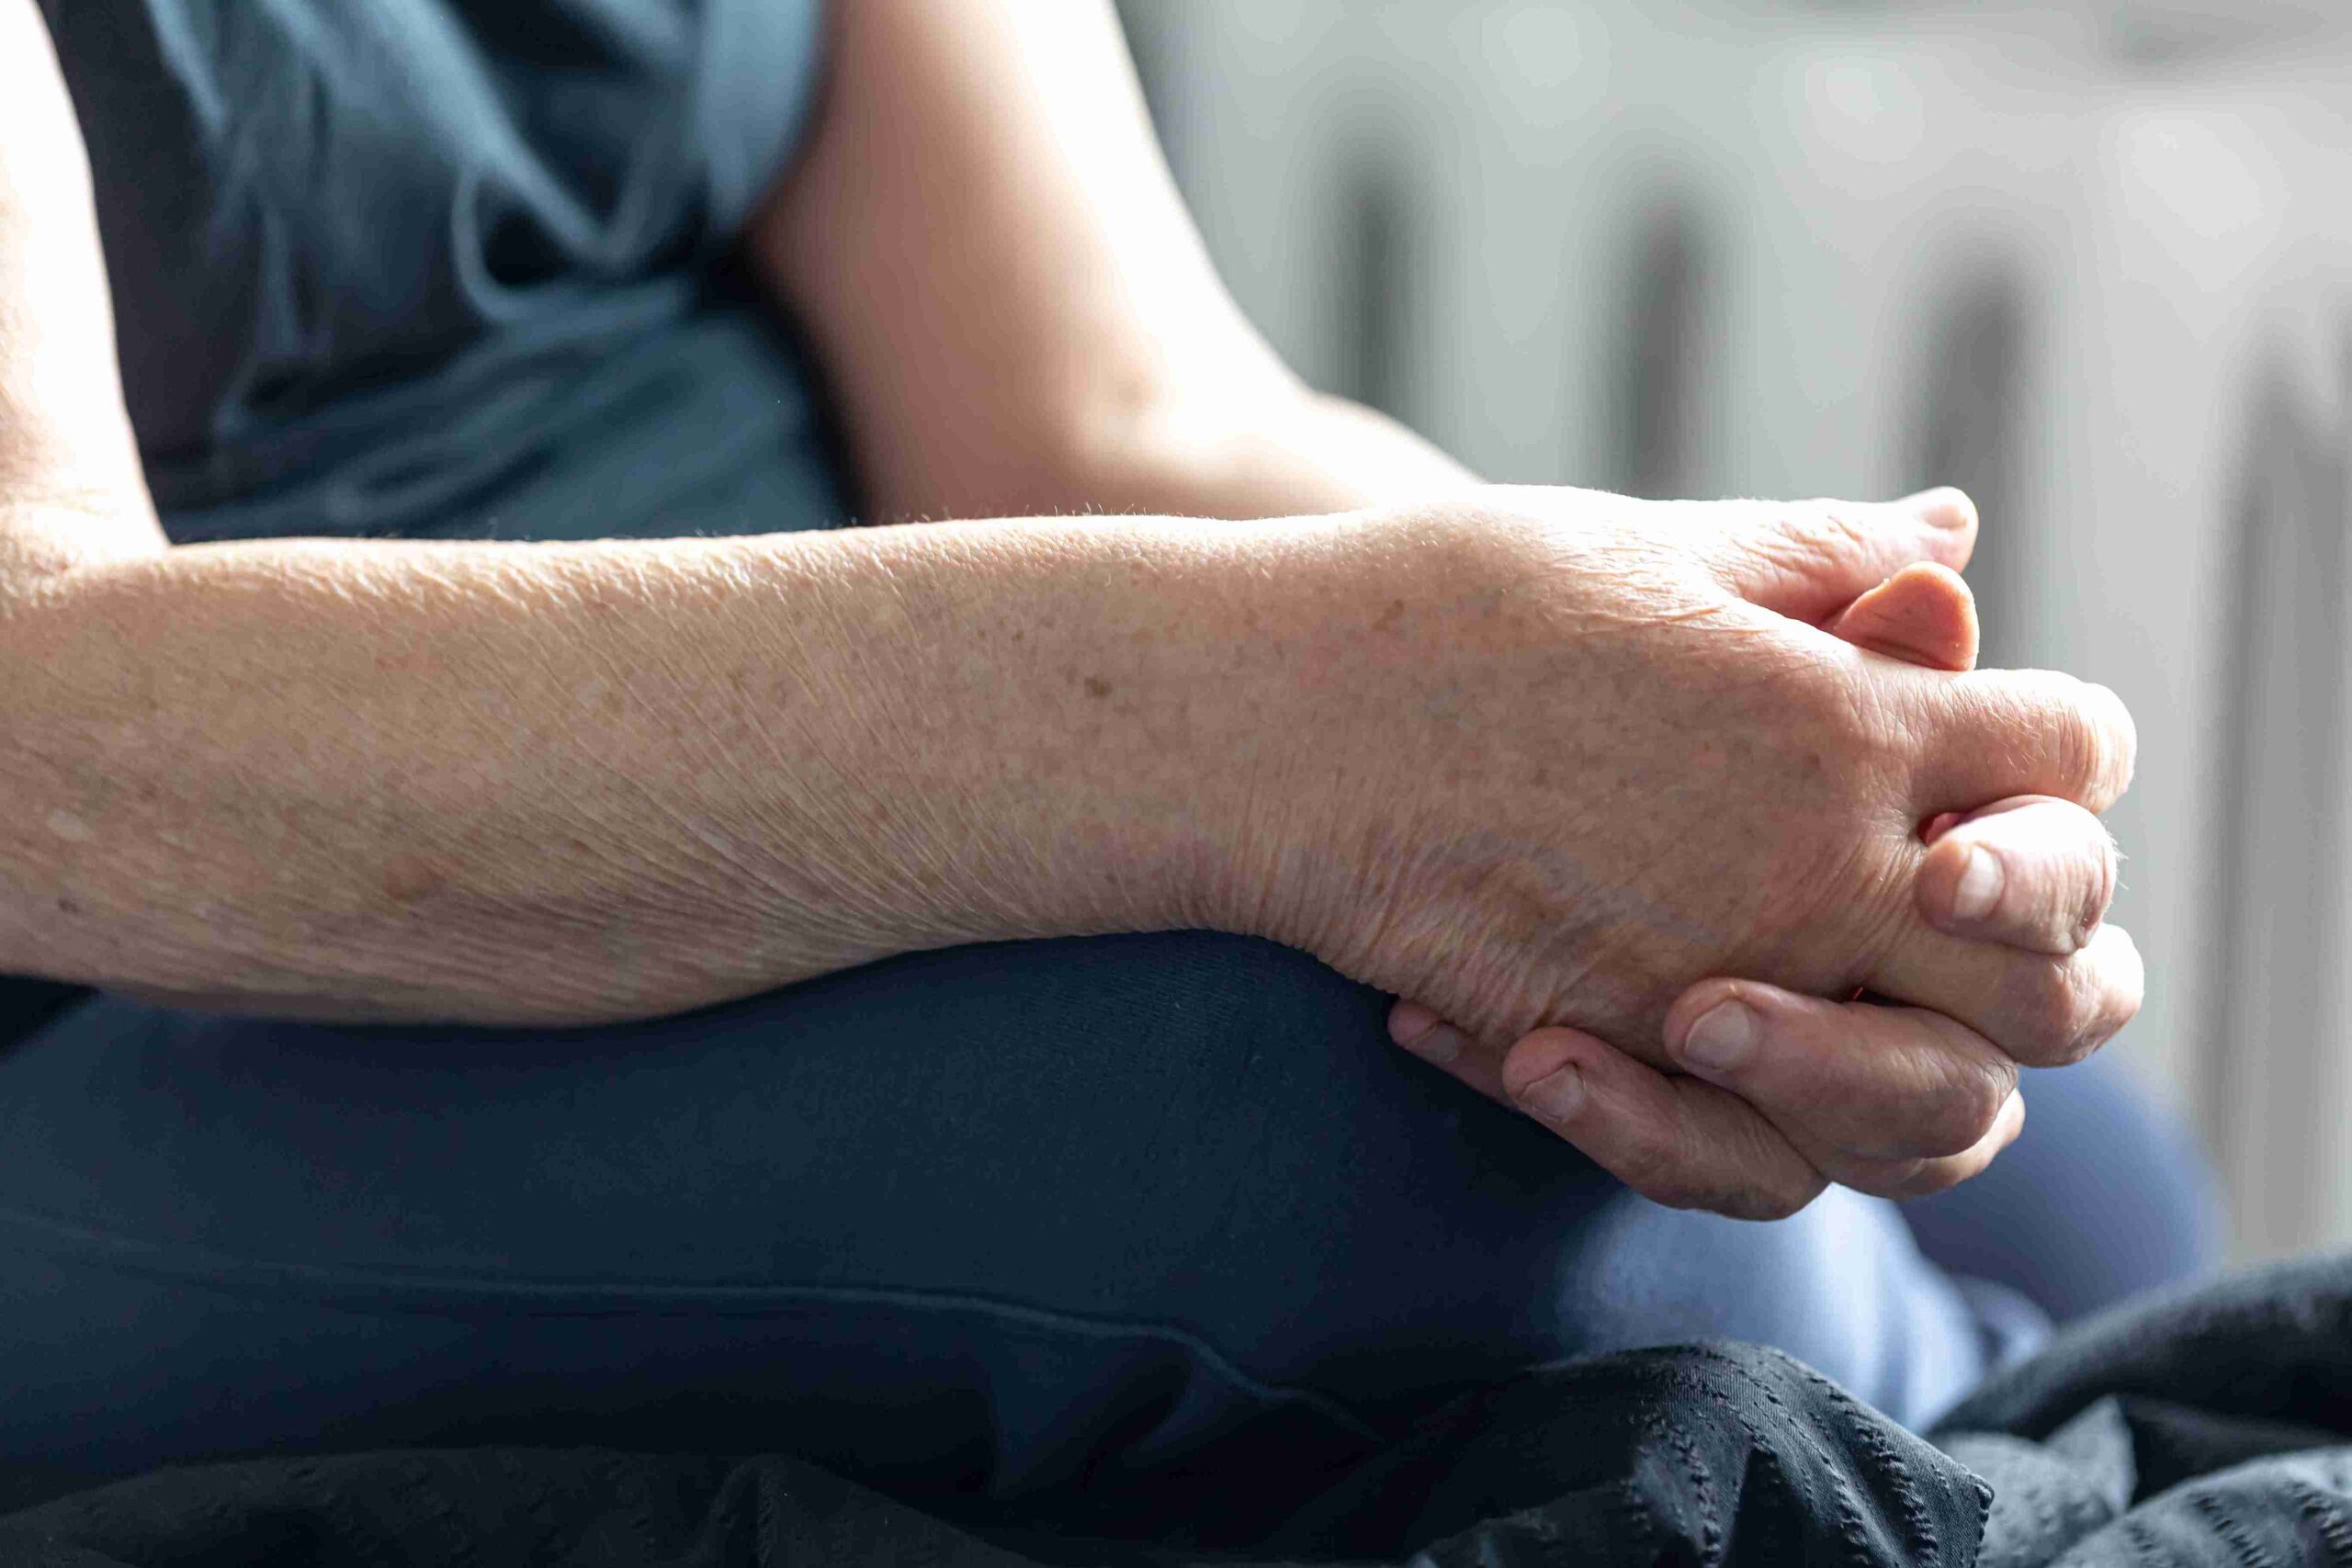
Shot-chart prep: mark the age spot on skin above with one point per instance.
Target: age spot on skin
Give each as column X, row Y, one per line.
column 600, row 697
column 1390, row 616
column 1097, row 687
column 70, row 827
column 408, row 878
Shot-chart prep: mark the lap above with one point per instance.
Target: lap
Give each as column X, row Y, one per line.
column 985, row 1219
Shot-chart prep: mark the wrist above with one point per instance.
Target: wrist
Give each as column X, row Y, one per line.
column 1057, row 726
column 1335, row 671
column 1388, row 635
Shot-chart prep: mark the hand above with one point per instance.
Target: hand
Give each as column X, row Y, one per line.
column 1888, row 1101
column 1618, row 757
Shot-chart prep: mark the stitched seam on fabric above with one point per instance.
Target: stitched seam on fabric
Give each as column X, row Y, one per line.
column 419, row 1293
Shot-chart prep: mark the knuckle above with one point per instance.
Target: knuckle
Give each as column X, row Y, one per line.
column 2123, row 732
column 2069, row 733
column 1797, row 538
column 2056, row 1014
column 1966, row 1110
column 1799, row 525
column 2096, row 741
column 2041, row 1006
column 1832, row 526
column 1775, row 1201
column 2078, row 754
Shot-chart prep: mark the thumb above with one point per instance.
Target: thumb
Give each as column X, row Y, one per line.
column 1923, row 615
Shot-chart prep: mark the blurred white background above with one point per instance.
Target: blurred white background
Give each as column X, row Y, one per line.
column 2092, row 261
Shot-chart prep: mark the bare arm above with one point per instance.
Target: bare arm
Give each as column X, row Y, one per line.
column 551, row 783
column 542, row 783
column 70, row 488
column 989, row 249
column 1508, row 753
column 1013, row 303
column 533, row 782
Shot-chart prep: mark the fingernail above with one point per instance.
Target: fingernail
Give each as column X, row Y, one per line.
column 1408, row 1021
column 1558, row 1097
column 1981, row 880
column 1723, row 1038
column 1440, row 1043
column 1935, row 504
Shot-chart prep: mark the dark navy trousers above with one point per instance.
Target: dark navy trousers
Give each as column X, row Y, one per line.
column 1114, row 1217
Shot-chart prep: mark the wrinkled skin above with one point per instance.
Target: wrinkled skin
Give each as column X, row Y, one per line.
column 1580, row 752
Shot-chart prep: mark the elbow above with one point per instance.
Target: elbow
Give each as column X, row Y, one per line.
column 1186, row 447
column 53, row 533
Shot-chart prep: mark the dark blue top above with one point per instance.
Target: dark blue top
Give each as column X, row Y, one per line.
column 449, row 268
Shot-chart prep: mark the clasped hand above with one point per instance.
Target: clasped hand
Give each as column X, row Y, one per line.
column 1912, row 881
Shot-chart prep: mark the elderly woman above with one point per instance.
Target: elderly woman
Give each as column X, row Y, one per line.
column 589, row 948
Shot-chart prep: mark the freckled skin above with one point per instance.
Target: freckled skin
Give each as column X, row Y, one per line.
column 1589, row 788
column 1576, row 776
column 65, row 825
column 408, row 878
column 1567, row 776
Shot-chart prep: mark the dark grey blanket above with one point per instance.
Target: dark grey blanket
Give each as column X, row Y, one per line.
column 2209, row 1428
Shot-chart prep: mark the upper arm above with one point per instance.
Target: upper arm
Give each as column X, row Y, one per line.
column 985, row 243
column 69, row 487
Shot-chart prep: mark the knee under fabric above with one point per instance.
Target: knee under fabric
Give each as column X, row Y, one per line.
column 972, row 1222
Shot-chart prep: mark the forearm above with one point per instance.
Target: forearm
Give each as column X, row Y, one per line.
column 570, row 783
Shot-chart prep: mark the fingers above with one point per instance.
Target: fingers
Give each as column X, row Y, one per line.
column 1992, row 734
column 1875, row 1083
column 2034, row 878
column 1676, row 1141
column 2035, row 874
column 1420, row 1030
column 1893, row 1101
column 1923, row 615
column 1807, row 559
column 2045, row 1009
column 1890, row 1102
